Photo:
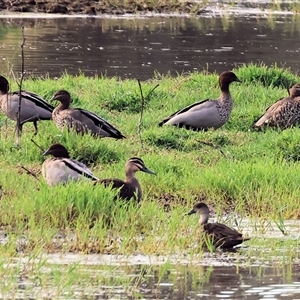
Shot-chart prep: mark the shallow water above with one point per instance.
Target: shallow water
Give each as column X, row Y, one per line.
column 137, row 47
column 90, row 279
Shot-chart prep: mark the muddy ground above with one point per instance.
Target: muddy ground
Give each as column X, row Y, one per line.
column 97, row 7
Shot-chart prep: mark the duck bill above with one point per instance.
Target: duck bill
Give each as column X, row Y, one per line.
column 191, row 212
column 47, row 152
column 146, row 170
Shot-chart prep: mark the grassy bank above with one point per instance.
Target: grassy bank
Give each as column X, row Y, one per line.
column 247, row 173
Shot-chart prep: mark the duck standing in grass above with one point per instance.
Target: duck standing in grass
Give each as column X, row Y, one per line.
column 130, row 187
column 61, row 168
column 81, row 120
column 221, row 235
column 284, row 113
column 206, row 114
column 33, row 107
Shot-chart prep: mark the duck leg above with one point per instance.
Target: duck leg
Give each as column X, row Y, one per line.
column 35, row 127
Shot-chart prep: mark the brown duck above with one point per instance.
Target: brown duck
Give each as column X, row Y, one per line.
column 81, row 120
column 221, row 235
column 208, row 113
column 33, row 107
column 284, row 113
column 130, row 187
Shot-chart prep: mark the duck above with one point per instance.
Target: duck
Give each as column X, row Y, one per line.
column 221, row 235
column 81, row 120
column 284, row 113
column 60, row 169
column 33, row 107
column 130, row 187
column 206, row 114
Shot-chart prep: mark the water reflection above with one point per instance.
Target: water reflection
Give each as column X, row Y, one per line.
column 139, row 47
column 158, row 282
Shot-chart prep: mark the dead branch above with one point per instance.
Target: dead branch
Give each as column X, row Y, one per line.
column 141, row 114
column 20, row 87
column 212, row 145
column 142, row 109
column 28, row 172
column 38, row 145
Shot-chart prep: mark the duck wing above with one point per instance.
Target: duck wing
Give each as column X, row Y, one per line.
column 224, row 236
column 34, row 99
column 79, row 167
column 126, row 191
column 194, row 106
column 100, row 123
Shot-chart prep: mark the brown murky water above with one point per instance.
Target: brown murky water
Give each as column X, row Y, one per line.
column 137, row 47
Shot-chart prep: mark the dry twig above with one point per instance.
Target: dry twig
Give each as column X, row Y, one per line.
column 38, row 145
column 212, row 145
column 142, row 109
column 20, row 88
column 28, row 172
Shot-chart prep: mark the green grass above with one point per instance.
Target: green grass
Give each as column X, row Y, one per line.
column 247, row 173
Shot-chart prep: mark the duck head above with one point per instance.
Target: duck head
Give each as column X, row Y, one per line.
column 57, row 150
column 295, row 90
column 226, row 78
column 62, row 96
column 135, row 164
column 203, row 211
column 4, row 85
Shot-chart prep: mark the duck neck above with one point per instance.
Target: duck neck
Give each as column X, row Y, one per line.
column 63, row 105
column 203, row 219
column 131, row 179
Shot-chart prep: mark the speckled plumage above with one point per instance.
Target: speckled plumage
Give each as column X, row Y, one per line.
column 130, row 187
column 33, row 107
column 284, row 113
column 206, row 114
column 80, row 120
column 220, row 235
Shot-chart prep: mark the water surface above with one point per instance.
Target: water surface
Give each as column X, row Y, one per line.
column 138, row 47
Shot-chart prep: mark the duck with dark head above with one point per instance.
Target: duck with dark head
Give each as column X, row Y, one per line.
column 206, row 114
column 33, row 107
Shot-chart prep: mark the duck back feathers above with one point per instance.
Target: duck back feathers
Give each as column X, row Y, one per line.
column 284, row 113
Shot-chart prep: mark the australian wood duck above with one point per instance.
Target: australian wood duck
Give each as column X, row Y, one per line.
column 130, row 187
column 284, row 113
column 61, row 168
column 81, row 120
column 208, row 113
column 33, row 107
column 220, row 235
